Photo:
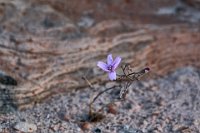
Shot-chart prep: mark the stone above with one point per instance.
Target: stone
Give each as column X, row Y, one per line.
column 45, row 47
column 25, row 127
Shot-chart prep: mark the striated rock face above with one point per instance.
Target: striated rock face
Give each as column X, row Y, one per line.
column 193, row 3
column 47, row 46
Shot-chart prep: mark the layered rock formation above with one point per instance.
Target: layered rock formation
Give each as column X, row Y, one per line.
column 46, row 46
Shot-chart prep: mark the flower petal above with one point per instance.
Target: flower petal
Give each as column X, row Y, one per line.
column 103, row 66
column 116, row 62
column 109, row 59
column 112, row 75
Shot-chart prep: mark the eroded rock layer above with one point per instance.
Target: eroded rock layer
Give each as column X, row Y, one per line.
column 47, row 53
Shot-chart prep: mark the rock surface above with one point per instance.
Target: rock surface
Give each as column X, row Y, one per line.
column 48, row 45
column 166, row 105
column 194, row 3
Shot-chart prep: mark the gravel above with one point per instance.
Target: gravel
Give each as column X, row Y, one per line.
column 169, row 104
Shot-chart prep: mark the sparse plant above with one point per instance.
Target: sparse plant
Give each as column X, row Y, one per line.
column 126, row 79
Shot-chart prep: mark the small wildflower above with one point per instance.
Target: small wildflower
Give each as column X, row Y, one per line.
column 110, row 66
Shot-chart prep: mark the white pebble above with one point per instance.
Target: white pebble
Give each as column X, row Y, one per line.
column 25, row 127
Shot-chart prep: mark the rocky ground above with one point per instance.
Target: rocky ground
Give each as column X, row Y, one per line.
column 167, row 105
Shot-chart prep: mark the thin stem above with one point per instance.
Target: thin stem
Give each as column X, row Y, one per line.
column 100, row 93
column 135, row 74
column 97, row 96
column 88, row 82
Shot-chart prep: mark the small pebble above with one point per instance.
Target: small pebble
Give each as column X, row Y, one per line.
column 97, row 130
column 66, row 117
column 112, row 109
column 85, row 126
column 25, row 127
column 55, row 127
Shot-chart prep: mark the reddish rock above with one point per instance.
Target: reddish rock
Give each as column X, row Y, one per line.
column 50, row 44
column 193, row 3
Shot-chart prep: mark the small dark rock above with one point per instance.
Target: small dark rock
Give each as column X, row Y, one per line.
column 97, row 130
column 7, row 80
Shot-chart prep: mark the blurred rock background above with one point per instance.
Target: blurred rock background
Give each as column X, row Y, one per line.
column 48, row 45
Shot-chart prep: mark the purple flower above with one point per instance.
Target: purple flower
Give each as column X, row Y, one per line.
column 110, row 66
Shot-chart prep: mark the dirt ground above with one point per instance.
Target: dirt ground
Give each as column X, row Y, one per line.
column 166, row 105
